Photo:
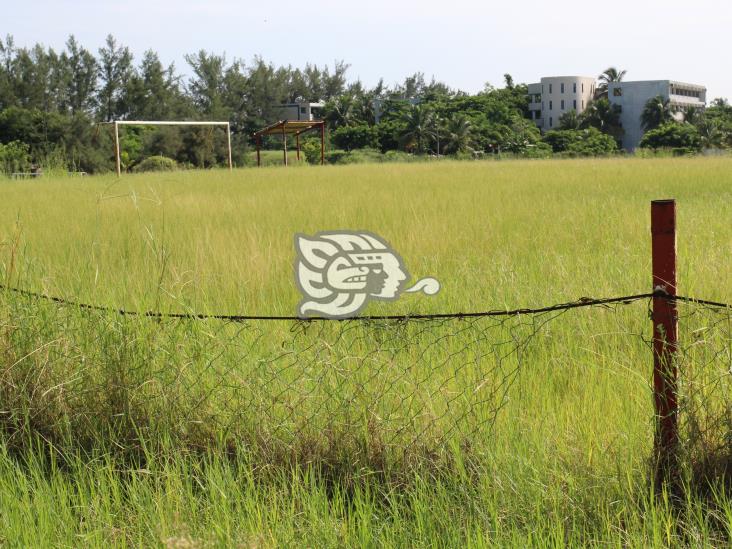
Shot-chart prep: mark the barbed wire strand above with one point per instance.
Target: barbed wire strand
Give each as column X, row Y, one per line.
column 581, row 302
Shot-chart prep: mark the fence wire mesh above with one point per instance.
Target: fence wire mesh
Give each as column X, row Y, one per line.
column 370, row 392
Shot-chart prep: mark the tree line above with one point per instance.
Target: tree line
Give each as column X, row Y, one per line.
column 54, row 106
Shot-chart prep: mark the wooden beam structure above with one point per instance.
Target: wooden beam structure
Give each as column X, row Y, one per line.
column 285, row 128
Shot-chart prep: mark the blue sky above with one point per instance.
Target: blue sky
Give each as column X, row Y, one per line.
column 462, row 43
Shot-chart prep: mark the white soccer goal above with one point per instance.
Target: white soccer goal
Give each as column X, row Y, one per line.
column 118, row 123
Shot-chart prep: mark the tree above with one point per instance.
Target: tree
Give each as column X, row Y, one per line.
column 672, row 135
column 115, row 68
column 712, row 134
column 356, row 137
column 570, row 120
column 693, row 115
column 611, row 74
column 604, row 116
column 153, row 92
column 419, row 129
column 82, row 77
column 656, row 112
column 458, row 134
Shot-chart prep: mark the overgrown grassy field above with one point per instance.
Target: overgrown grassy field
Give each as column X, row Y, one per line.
column 535, row 431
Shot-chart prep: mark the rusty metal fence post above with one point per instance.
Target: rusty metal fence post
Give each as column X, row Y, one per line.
column 665, row 335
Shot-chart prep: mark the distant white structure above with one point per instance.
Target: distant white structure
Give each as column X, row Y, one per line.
column 633, row 96
column 557, row 95
column 300, row 111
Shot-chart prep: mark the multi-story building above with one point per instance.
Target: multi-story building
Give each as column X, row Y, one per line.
column 557, row 95
column 632, row 97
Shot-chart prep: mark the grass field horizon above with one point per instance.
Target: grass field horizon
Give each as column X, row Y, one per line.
column 108, row 424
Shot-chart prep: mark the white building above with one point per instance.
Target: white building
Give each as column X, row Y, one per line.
column 300, row 110
column 557, row 95
column 633, row 96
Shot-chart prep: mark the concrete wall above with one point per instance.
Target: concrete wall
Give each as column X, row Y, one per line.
column 633, row 96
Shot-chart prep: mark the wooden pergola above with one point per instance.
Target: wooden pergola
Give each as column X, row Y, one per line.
column 291, row 127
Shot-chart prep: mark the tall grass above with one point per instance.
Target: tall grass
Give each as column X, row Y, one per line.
column 134, row 432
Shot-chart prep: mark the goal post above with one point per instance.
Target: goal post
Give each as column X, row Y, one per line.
column 118, row 123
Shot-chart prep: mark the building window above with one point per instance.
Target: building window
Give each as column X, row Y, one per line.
column 617, row 92
column 551, row 122
column 302, row 110
column 551, row 105
column 550, row 89
column 583, row 87
column 562, row 87
column 574, row 87
column 574, row 104
column 562, row 104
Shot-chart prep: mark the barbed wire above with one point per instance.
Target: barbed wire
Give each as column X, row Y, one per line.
column 579, row 303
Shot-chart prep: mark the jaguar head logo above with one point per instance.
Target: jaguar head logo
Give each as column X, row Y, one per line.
column 339, row 272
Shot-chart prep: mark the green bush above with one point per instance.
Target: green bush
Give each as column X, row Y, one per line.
column 679, row 138
column 588, row 142
column 311, row 149
column 356, row 137
column 14, row 157
column 156, row 164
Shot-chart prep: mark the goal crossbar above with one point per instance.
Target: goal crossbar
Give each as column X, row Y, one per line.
column 118, row 123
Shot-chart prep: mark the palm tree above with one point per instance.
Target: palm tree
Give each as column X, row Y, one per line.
column 458, row 137
column 611, row 74
column 604, row 116
column 656, row 112
column 693, row 115
column 569, row 120
column 339, row 111
column 419, row 129
column 711, row 133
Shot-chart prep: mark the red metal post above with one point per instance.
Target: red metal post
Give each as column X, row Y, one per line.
column 322, row 143
column 665, row 337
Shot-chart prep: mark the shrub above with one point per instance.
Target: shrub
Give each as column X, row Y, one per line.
column 14, row 157
column 680, row 138
column 588, row 142
column 156, row 164
column 311, row 150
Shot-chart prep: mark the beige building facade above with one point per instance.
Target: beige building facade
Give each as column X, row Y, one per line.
column 557, row 95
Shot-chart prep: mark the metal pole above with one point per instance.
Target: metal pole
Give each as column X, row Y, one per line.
column 284, row 144
column 297, row 140
column 322, row 143
column 228, row 136
column 665, row 339
column 116, row 149
column 259, row 145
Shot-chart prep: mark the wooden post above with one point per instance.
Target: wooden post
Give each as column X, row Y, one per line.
column 228, row 136
column 297, row 140
column 258, row 140
column 665, row 339
column 284, row 144
column 116, row 149
column 322, row 143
